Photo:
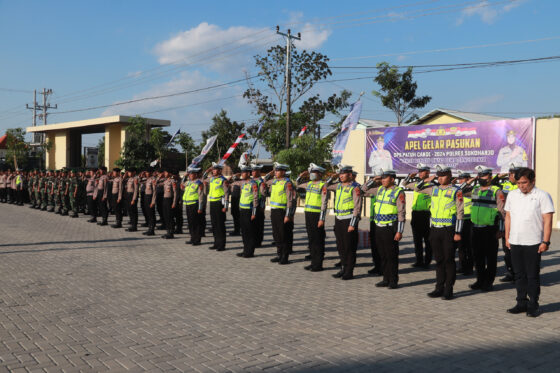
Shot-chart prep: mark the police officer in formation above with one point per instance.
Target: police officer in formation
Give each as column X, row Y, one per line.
column 248, row 205
column 465, row 249
column 194, row 199
column 218, row 197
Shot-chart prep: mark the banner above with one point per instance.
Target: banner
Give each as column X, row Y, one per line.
column 231, row 149
column 91, row 157
column 496, row 144
column 209, row 143
column 348, row 125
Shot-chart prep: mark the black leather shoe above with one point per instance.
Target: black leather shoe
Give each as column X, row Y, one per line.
column 276, row 259
column 221, row 249
column 318, row 269
column 178, row 231
column 393, row 285
column 196, row 244
column 234, row 233
column 92, row 220
column 374, row 271
column 131, row 229
column 150, row 233
column 308, row 267
column 168, row 236
column 507, row 278
column 533, row 312
column 487, row 288
column 102, row 223
column 284, row 262
column 517, row 310
column 338, row 264
column 348, row 277
column 435, row 294
column 475, row 286
column 339, row 274
column 116, row 225
column 447, row 296
column 382, row 284
column 240, row 255
column 307, row 257
column 418, row 264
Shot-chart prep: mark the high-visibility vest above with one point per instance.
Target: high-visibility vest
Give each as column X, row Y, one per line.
column 442, row 208
column 18, row 180
column 344, row 200
column 386, row 205
column 313, row 196
column 508, row 186
column 246, row 199
column 372, row 208
column 468, row 207
column 216, row 191
column 190, row 196
column 484, row 208
column 278, row 197
column 420, row 201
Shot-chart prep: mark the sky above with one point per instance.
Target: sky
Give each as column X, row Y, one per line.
column 99, row 53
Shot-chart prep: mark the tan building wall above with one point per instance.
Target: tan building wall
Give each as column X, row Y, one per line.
column 547, row 157
column 113, row 141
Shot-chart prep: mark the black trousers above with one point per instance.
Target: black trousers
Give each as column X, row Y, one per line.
column 507, row 258
column 102, row 208
column 346, row 244
column 92, row 206
column 143, row 206
column 234, row 209
column 117, row 207
column 19, row 196
column 2, row 194
column 167, row 214
column 420, row 224
column 466, row 247
column 260, row 226
column 527, row 266
column 375, row 257
column 443, row 245
column 388, row 251
column 150, row 212
column 178, row 216
column 194, row 222
column 218, row 219
column 316, row 238
column 248, row 231
column 283, row 233
column 159, row 206
column 485, row 247
column 132, row 209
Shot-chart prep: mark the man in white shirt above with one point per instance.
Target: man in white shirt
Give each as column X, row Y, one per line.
column 529, row 213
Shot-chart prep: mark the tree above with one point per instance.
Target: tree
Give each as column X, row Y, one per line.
column 137, row 151
column 16, row 147
column 159, row 138
column 398, row 92
column 186, row 142
column 306, row 150
column 308, row 68
column 101, row 151
column 227, row 131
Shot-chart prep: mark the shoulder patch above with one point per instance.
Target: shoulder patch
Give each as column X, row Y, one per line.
column 401, row 197
column 357, row 191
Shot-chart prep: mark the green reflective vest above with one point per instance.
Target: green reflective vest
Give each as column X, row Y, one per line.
column 344, row 201
column 420, row 201
column 372, row 208
column 467, row 206
column 246, row 199
column 216, row 188
column 484, row 208
column 386, row 205
column 18, row 179
column 313, row 196
column 508, row 186
column 190, row 196
column 442, row 208
column 278, row 197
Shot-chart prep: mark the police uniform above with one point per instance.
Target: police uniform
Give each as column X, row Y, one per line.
column 261, row 206
column 116, row 198
column 465, row 248
column 131, row 201
column 315, row 211
column 508, row 186
column 446, row 220
column 347, row 208
column 248, row 205
column 218, row 196
column 193, row 199
column 2, row 187
column 487, row 217
column 282, row 205
column 101, row 199
column 169, row 196
column 150, row 204
column 235, row 195
column 389, row 214
column 91, row 187
column 73, row 193
column 178, row 209
column 420, row 221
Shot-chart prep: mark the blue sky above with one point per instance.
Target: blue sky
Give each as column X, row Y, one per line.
column 103, row 52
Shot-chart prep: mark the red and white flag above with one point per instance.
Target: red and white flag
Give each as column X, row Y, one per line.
column 231, row 149
column 302, row 132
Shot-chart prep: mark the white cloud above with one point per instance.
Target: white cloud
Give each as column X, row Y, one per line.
column 480, row 103
column 487, row 11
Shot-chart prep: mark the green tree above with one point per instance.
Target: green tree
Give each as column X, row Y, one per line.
column 306, row 150
column 227, row 131
column 186, row 142
column 308, row 68
column 16, row 147
column 101, row 151
column 398, row 92
column 137, row 151
column 159, row 138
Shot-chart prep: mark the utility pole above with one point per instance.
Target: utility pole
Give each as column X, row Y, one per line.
column 38, row 137
column 289, row 38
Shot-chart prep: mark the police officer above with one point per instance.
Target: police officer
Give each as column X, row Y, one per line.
column 218, row 196
column 101, row 196
column 32, row 187
column 235, row 195
column 420, row 222
column 466, row 261
column 178, row 209
column 347, row 207
column 487, row 216
column 91, row 188
column 282, row 209
column 169, row 197
column 510, row 184
column 19, row 187
column 389, row 216
column 73, row 193
column 248, row 205
column 3, row 186
column 315, row 212
column 150, row 202
column 194, row 201
column 131, row 200
column 446, row 221
column 375, row 257
column 116, row 197
column 256, row 175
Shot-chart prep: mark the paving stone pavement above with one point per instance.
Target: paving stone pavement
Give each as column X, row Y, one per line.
column 78, row 297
